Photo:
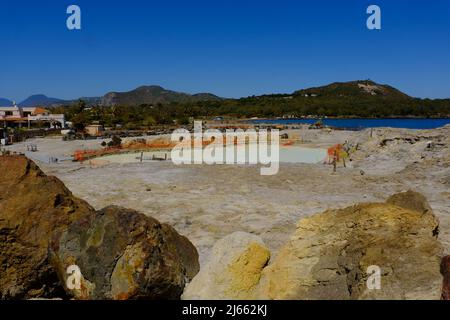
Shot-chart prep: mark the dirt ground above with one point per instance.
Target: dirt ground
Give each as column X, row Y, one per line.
column 206, row 203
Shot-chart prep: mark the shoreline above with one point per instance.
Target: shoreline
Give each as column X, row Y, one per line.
column 355, row 117
column 357, row 124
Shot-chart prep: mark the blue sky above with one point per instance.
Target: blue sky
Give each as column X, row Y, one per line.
column 232, row 48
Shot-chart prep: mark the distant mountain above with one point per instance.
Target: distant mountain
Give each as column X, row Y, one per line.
column 41, row 100
column 141, row 95
column 361, row 98
column 5, row 102
column 360, row 88
column 153, row 95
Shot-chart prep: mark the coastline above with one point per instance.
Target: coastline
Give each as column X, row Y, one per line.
column 357, row 123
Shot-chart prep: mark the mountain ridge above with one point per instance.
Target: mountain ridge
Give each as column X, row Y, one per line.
column 147, row 94
column 155, row 94
column 40, row 100
column 5, row 102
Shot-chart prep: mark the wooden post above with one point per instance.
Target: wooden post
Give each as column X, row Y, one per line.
column 334, row 161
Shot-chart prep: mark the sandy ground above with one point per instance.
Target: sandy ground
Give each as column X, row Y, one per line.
column 206, row 203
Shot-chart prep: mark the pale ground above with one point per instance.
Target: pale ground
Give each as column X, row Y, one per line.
column 205, row 203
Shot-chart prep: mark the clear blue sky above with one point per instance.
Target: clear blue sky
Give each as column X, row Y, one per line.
column 232, row 48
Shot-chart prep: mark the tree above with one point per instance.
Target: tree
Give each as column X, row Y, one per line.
column 149, row 121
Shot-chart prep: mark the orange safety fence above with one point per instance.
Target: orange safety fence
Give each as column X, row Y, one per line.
column 83, row 155
column 287, row 144
column 334, row 151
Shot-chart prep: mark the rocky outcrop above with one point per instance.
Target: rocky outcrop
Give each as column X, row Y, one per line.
column 366, row 251
column 333, row 256
column 121, row 254
column 233, row 271
column 445, row 270
column 33, row 209
column 410, row 200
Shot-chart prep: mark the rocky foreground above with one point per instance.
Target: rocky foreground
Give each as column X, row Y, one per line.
column 329, row 255
column 44, row 229
column 123, row 254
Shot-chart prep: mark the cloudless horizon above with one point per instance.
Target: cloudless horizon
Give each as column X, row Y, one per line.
column 230, row 48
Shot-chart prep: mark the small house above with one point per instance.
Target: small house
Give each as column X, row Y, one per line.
column 94, row 130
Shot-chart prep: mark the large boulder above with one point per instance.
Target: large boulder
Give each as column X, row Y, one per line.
column 366, row 251
column 445, row 270
column 233, row 270
column 33, row 209
column 333, row 256
column 122, row 254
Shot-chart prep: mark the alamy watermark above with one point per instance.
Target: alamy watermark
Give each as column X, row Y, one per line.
column 74, row 279
column 232, row 147
column 374, row 278
column 73, row 22
column 374, row 20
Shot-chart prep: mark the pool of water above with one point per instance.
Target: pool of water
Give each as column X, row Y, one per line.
column 295, row 154
column 135, row 157
column 290, row 154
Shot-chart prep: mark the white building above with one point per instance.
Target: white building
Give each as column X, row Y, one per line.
column 16, row 115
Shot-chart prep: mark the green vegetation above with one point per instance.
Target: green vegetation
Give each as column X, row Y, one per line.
column 115, row 142
column 352, row 99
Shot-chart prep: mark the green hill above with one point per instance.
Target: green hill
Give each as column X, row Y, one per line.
column 363, row 98
column 361, row 88
column 152, row 95
column 341, row 99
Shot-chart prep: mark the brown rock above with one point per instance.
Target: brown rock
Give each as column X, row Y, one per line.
column 33, row 208
column 445, row 270
column 44, row 229
column 122, row 254
column 410, row 200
